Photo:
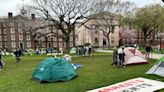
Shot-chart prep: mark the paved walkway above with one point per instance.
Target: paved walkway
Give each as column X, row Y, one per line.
column 152, row 55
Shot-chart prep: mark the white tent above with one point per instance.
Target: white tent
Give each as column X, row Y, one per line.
column 158, row 68
column 134, row 56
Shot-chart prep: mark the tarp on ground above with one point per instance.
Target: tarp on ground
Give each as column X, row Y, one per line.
column 54, row 69
column 158, row 68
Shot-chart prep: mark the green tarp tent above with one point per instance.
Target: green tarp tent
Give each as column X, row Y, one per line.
column 158, row 68
column 54, row 69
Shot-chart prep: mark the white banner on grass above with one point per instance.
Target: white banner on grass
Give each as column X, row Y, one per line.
column 133, row 85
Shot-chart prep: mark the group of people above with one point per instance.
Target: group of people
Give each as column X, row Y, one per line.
column 84, row 51
column 118, row 57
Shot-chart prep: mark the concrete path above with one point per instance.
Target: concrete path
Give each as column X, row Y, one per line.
column 152, row 55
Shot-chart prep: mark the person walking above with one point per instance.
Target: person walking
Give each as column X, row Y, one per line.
column 17, row 54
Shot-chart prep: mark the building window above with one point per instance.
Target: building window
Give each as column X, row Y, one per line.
column 19, row 24
column 13, row 44
column 71, row 44
column 49, row 38
column 54, row 44
column 27, row 32
column 60, row 45
column 20, row 37
column 28, row 37
column 11, row 23
column 20, row 31
column 5, row 31
column 0, row 44
column 43, row 44
column 4, row 25
column 71, row 38
column 5, row 38
column 6, row 45
column 13, row 37
column 60, row 32
column 60, row 39
column 54, row 38
column 28, row 44
column 43, row 38
column 112, row 41
column 12, row 30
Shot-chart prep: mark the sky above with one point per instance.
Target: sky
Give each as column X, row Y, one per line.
column 14, row 5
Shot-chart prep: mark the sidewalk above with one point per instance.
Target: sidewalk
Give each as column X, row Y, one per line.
column 156, row 56
column 152, row 55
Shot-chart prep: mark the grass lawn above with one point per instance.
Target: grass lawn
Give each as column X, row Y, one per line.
column 96, row 72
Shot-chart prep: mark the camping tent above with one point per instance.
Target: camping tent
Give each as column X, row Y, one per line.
column 54, row 69
column 72, row 51
column 158, row 68
column 134, row 56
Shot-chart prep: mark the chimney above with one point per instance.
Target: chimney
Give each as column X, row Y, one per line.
column 10, row 15
column 32, row 16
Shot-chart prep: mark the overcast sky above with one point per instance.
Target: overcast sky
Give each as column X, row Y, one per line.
column 14, row 5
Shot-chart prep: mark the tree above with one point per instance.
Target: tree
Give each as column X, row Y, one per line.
column 149, row 19
column 107, row 16
column 63, row 14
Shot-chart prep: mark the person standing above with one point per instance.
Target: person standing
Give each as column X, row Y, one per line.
column 161, row 47
column 17, row 54
column 121, row 56
column 114, row 55
column 90, row 50
column 148, row 49
column 1, row 63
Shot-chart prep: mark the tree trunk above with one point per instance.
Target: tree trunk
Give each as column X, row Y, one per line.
column 108, row 42
column 74, row 38
column 67, row 42
column 145, row 40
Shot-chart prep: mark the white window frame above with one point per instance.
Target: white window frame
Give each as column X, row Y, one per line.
column 43, row 44
column 13, row 44
column 13, row 37
column 5, row 31
column 49, row 38
column 29, row 44
column 20, row 30
column 54, row 44
column 21, row 37
column 12, row 30
column 11, row 23
column 28, row 37
column 5, row 38
column 60, row 39
column 19, row 24
column 60, row 44
column 6, row 45
column 54, row 38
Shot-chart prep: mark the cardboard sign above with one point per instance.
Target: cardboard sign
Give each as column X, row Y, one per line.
column 133, row 85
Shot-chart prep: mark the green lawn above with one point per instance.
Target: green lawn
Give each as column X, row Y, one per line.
column 96, row 72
